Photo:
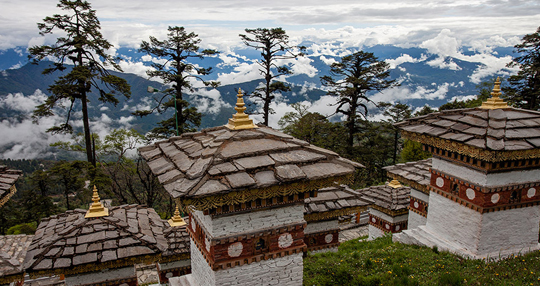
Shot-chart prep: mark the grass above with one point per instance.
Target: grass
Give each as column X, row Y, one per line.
column 382, row 262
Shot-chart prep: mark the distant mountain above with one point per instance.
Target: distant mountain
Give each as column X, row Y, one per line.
column 425, row 79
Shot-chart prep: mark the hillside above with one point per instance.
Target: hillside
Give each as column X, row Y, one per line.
column 382, row 262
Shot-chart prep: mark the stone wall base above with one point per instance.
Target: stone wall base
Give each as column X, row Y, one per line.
column 422, row 236
column 415, row 220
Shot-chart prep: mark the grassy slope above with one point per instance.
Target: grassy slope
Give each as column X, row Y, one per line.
column 381, row 262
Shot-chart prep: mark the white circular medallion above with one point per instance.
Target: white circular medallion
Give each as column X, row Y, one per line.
column 285, row 240
column 397, row 227
column 495, row 198
column 373, row 219
column 531, row 193
column 387, row 226
column 328, row 238
column 235, row 249
column 439, row 182
column 470, row 194
column 416, row 205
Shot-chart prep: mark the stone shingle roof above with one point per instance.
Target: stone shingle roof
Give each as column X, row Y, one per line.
column 387, row 198
column 506, row 129
column 68, row 243
column 334, row 198
column 12, row 252
column 218, row 160
column 177, row 241
column 414, row 174
column 8, row 178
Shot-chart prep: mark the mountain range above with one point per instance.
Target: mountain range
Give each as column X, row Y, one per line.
column 425, row 78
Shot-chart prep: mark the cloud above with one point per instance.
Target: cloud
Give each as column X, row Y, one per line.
column 19, row 102
column 404, row 93
column 404, row 58
column 444, row 45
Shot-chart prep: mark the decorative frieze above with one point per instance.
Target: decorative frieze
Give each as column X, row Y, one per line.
column 386, row 226
column 418, row 206
column 485, row 199
column 245, row 248
column 322, row 240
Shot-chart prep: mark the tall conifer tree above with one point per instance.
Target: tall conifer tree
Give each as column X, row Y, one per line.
column 274, row 46
column 83, row 46
column 177, row 70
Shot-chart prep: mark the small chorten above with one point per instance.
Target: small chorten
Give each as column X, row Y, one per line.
column 96, row 208
column 495, row 102
column 240, row 120
column 176, row 219
column 394, row 184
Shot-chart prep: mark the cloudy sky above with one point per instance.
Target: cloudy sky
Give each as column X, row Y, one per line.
column 406, row 22
column 444, row 28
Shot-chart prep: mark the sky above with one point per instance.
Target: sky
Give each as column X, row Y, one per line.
column 442, row 27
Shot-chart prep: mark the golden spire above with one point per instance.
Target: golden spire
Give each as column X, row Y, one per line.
column 176, row 220
column 394, row 184
column 240, row 120
column 495, row 102
column 96, row 208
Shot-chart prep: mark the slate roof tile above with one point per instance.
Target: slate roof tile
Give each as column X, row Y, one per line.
column 128, row 231
column 482, row 128
column 240, row 159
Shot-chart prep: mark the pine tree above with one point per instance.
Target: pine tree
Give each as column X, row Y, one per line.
column 274, row 46
column 351, row 79
column 179, row 47
column 524, row 89
column 84, row 47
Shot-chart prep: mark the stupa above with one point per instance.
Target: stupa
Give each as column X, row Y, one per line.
column 121, row 245
column 323, row 212
column 244, row 188
column 417, row 176
column 388, row 208
column 485, row 179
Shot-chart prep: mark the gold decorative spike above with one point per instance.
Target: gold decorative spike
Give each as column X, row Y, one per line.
column 240, row 120
column 96, row 208
column 495, row 102
column 176, row 220
column 394, row 184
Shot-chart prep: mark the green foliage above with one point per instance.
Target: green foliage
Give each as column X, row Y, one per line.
column 23, row 228
column 81, row 42
column 382, row 262
column 412, row 151
column 424, row 111
column 524, row 89
column 396, row 112
column 351, row 79
column 176, row 50
column 274, row 46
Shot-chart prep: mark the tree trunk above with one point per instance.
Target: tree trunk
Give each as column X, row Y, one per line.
column 86, row 123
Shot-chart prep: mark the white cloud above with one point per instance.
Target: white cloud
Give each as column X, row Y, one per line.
column 404, row 93
column 404, row 58
column 444, row 63
column 19, row 102
column 444, row 44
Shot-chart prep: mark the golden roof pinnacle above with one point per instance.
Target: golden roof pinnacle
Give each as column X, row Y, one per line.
column 96, row 208
column 240, row 120
column 395, row 184
column 495, row 102
column 176, row 219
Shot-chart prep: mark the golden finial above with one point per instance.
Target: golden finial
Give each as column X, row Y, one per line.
column 495, row 102
column 96, row 208
column 240, row 120
column 176, row 220
column 394, row 184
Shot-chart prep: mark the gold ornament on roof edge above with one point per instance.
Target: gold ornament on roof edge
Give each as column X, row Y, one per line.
column 240, row 120
column 495, row 102
column 176, row 220
column 394, row 184
column 96, row 209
